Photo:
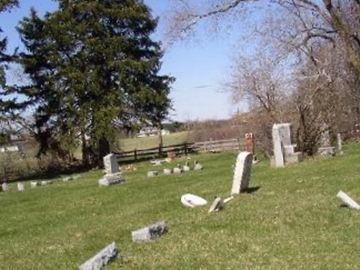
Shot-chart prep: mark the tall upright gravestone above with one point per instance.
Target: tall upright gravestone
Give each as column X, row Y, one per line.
column 284, row 151
column 242, row 172
column 113, row 175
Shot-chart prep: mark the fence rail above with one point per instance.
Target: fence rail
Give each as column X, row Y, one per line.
column 178, row 149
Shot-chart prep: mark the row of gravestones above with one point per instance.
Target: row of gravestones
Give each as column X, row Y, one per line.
column 177, row 170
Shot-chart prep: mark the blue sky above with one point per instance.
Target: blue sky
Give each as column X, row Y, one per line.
column 200, row 67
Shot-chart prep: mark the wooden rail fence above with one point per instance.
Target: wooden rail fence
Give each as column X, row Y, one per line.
column 179, row 149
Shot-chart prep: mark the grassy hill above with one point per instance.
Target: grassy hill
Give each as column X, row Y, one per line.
column 293, row 220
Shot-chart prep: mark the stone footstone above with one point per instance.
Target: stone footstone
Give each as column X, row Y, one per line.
column 101, row 259
column 149, row 233
column 34, row 184
column 242, row 172
column 21, row 187
column 152, row 174
column 217, row 205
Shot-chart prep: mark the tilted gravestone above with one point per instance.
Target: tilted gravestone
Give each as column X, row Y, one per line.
column 101, row 259
column 242, row 172
column 113, row 175
column 149, row 233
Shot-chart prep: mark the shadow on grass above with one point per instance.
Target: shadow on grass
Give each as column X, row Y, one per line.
column 251, row 190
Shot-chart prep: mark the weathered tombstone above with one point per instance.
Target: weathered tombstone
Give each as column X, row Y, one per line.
column 186, row 167
column 197, row 166
column 284, row 151
column 167, row 171
column 242, row 172
column 325, row 148
column 101, row 259
column 113, row 175
column 250, row 143
column 34, row 184
column 149, row 233
column 4, row 187
column 339, row 143
column 217, row 205
column 177, row 169
column 110, row 164
column 347, row 200
column 21, row 186
column 152, row 174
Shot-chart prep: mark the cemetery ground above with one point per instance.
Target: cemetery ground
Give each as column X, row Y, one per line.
column 290, row 219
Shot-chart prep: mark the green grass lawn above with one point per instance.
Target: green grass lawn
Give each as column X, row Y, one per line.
column 150, row 142
column 293, row 221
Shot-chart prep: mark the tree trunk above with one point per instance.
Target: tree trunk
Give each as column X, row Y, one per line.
column 104, row 149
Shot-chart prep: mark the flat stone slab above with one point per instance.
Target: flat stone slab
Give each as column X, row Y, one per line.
column 109, row 180
column 149, row 233
column 101, row 259
column 326, row 151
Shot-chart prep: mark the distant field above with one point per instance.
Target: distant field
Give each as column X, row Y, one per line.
column 150, row 142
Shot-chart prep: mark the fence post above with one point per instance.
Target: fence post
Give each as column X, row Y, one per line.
column 135, row 154
column 160, row 149
column 185, row 149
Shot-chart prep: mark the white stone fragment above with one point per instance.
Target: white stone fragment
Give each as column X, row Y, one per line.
column 228, row 199
column 191, row 200
column 34, row 184
column 217, row 205
column 152, row 174
column 167, row 171
column 347, row 200
column 101, row 259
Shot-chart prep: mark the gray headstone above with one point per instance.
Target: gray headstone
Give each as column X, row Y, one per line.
column 101, row 259
column 110, row 164
column 149, row 233
column 242, row 172
column 4, row 187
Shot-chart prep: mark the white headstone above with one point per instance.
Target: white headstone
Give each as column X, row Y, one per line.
column 34, row 184
column 4, row 187
column 242, row 172
column 339, row 142
column 20, row 187
column 278, row 152
column 111, row 165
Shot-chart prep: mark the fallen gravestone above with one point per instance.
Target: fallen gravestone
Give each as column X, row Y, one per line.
column 113, row 175
column 217, row 205
column 190, row 200
column 101, row 259
column 347, row 200
column 152, row 174
column 242, row 172
column 149, row 233
column 167, row 171
column 21, row 187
